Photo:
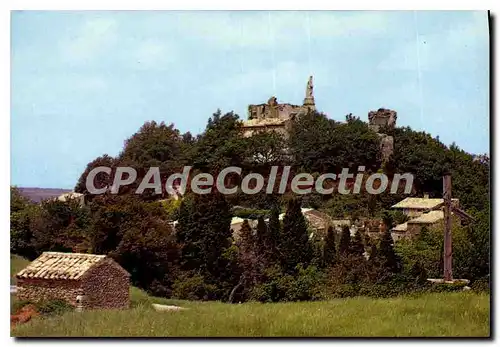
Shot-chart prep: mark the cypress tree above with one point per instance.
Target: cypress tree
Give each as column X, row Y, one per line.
column 263, row 245
column 246, row 241
column 274, row 232
column 204, row 230
column 389, row 259
column 295, row 245
column 356, row 246
column 329, row 251
column 345, row 241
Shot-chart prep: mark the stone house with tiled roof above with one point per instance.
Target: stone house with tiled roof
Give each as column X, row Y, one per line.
column 414, row 207
column 425, row 212
column 88, row 281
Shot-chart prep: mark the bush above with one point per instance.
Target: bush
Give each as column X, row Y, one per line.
column 193, row 287
column 250, row 213
column 307, row 284
column 53, row 307
column 44, row 307
column 481, row 285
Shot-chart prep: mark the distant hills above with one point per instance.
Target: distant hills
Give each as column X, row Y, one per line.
column 39, row 194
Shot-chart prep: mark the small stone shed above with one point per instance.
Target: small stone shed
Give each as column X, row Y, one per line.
column 87, row 280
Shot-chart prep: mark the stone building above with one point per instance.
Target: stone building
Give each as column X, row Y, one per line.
column 378, row 121
column 86, row 281
column 275, row 116
column 425, row 212
column 415, row 207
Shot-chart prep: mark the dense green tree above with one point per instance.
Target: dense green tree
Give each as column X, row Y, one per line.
column 329, row 250
column 205, row 234
column 388, row 257
column 101, row 180
column 356, row 246
column 345, row 241
column 295, row 246
column 22, row 212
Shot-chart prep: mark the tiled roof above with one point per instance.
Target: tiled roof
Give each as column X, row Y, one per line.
column 420, row 203
column 400, row 227
column 428, row 218
column 57, row 265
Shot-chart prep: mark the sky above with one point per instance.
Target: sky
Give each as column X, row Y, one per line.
column 83, row 82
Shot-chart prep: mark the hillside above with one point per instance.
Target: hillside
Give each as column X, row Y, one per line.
column 39, row 194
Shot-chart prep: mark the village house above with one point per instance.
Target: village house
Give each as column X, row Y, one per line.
column 414, row 207
column 425, row 212
column 72, row 196
column 87, row 281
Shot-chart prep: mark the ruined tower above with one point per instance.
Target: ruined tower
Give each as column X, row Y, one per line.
column 278, row 117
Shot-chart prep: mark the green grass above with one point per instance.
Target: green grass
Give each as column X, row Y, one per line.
column 443, row 314
column 17, row 263
column 440, row 314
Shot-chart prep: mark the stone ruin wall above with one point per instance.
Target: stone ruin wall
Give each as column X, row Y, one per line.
column 378, row 120
column 280, row 111
column 106, row 287
column 36, row 290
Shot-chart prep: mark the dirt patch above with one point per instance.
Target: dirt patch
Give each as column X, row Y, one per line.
column 24, row 315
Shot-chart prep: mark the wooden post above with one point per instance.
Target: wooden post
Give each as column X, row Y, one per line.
column 448, row 275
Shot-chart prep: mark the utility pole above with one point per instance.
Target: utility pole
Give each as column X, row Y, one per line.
column 448, row 275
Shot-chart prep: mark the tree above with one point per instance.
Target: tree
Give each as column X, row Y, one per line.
column 148, row 251
column 329, row 251
column 345, row 241
column 356, row 246
column 205, row 234
column 22, row 212
column 221, row 145
column 60, row 226
column 295, row 246
column 389, row 259
column 101, row 180
column 264, row 244
column 275, row 232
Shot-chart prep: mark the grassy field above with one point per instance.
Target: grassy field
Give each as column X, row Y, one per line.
column 443, row 314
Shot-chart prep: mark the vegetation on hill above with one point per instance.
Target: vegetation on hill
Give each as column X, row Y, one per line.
column 202, row 260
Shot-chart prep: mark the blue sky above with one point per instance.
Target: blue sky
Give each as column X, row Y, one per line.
column 82, row 82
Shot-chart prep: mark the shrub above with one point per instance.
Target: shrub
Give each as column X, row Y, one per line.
column 44, row 307
column 193, row 287
column 481, row 285
column 250, row 213
column 306, row 284
column 53, row 307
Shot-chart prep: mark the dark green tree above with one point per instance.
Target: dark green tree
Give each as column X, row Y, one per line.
column 388, row 257
column 345, row 241
column 205, row 234
column 295, row 246
column 356, row 247
column 329, row 250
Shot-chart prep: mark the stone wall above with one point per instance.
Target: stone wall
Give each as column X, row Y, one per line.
column 46, row 289
column 275, row 111
column 106, row 286
column 382, row 117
